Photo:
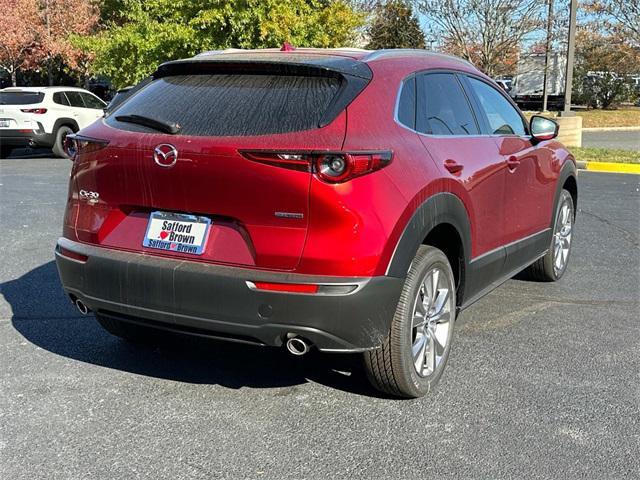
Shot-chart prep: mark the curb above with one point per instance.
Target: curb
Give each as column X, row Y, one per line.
column 611, row 167
column 611, row 129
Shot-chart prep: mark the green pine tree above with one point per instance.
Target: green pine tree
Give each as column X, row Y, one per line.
column 395, row 26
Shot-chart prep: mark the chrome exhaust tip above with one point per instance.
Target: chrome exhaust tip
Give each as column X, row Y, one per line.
column 298, row 346
column 82, row 308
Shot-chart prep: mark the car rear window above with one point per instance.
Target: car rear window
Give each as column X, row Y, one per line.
column 21, row 98
column 232, row 105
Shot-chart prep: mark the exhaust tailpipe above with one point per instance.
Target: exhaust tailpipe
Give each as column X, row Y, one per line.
column 298, row 346
column 82, row 308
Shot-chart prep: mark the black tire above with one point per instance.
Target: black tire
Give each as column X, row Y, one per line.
column 391, row 368
column 128, row 331
column 5, row 151
column 58, row 145
column 543, row 269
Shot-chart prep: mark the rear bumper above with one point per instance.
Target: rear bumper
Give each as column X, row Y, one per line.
column 216, row 301
column 32, row 138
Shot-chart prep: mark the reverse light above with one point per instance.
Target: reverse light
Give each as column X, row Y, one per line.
column 331, row 167
column 78, row 145
column 38, row 111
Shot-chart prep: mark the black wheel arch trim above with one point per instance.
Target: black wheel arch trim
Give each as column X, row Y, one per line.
column 567, row 170
column 441, row 208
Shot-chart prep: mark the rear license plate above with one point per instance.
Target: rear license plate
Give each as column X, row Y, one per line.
column 177, row 232
column 4, row 123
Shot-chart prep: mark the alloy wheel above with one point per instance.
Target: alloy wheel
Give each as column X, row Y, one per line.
column 431, row 321
column 562, row 237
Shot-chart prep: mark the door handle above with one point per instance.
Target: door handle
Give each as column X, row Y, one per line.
column 513, row 162
column 453, row 167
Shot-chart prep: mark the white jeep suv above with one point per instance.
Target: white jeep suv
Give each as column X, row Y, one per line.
column 44, row 116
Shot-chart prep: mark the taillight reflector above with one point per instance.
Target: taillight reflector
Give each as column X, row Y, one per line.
column 72, row 255
column 38, row 111
column 287, row 287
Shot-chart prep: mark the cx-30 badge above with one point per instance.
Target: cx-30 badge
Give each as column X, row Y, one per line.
column 89, row 196
column 165, row 155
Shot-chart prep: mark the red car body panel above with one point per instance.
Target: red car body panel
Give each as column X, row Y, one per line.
column 364, row 216
column 212, row 178
column 507, row 186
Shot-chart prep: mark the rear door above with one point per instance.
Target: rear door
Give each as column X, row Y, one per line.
column 95, row 107
column 259, row 211
column 81, row 113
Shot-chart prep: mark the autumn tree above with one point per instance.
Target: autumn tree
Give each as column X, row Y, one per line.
column 19, row 36
column 139, row 35
column 62, row 21
column 485, row 32
column 394, row 25
column 620, row 17
column 604, row 65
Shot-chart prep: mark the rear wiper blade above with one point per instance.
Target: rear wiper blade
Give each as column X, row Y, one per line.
column 159, row 125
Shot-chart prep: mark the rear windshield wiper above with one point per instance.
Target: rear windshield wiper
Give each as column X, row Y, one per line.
column 159, row 125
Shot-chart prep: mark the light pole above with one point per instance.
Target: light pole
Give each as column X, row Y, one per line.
column 547, row 54
column 571, row 46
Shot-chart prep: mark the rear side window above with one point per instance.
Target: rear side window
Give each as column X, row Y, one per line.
column 75, row 99
column 407, row 104
column 503, row 118
column 21, row 98
column 60, row 98
column 232, row 105
column 443, row 108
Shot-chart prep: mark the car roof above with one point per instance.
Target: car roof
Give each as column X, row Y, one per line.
column 353, row 53
column 43, row 89
column 352, row 61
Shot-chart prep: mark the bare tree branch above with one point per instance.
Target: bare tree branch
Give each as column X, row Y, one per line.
column 485, row 32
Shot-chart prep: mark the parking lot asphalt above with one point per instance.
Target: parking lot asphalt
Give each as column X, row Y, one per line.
column 543, row 379
column 621, row 139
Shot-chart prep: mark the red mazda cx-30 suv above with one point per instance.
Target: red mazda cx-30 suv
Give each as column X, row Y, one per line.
column 343, row 200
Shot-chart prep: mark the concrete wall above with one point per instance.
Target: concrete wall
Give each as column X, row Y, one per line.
column 570, row 131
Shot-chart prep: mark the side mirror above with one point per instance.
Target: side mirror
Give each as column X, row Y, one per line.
column 543, row 128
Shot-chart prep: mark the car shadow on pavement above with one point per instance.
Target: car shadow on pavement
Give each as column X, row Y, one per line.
column 43, row 315
column 38, row 152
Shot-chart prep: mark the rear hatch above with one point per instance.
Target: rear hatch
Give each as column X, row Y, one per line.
column 14, row 109
column 218, row 110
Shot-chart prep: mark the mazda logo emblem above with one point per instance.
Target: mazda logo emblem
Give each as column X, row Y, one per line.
column 165, row 155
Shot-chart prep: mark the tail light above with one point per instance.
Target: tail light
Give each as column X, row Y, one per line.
column 331, row 167
column 38, row 111
column 79, row 145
